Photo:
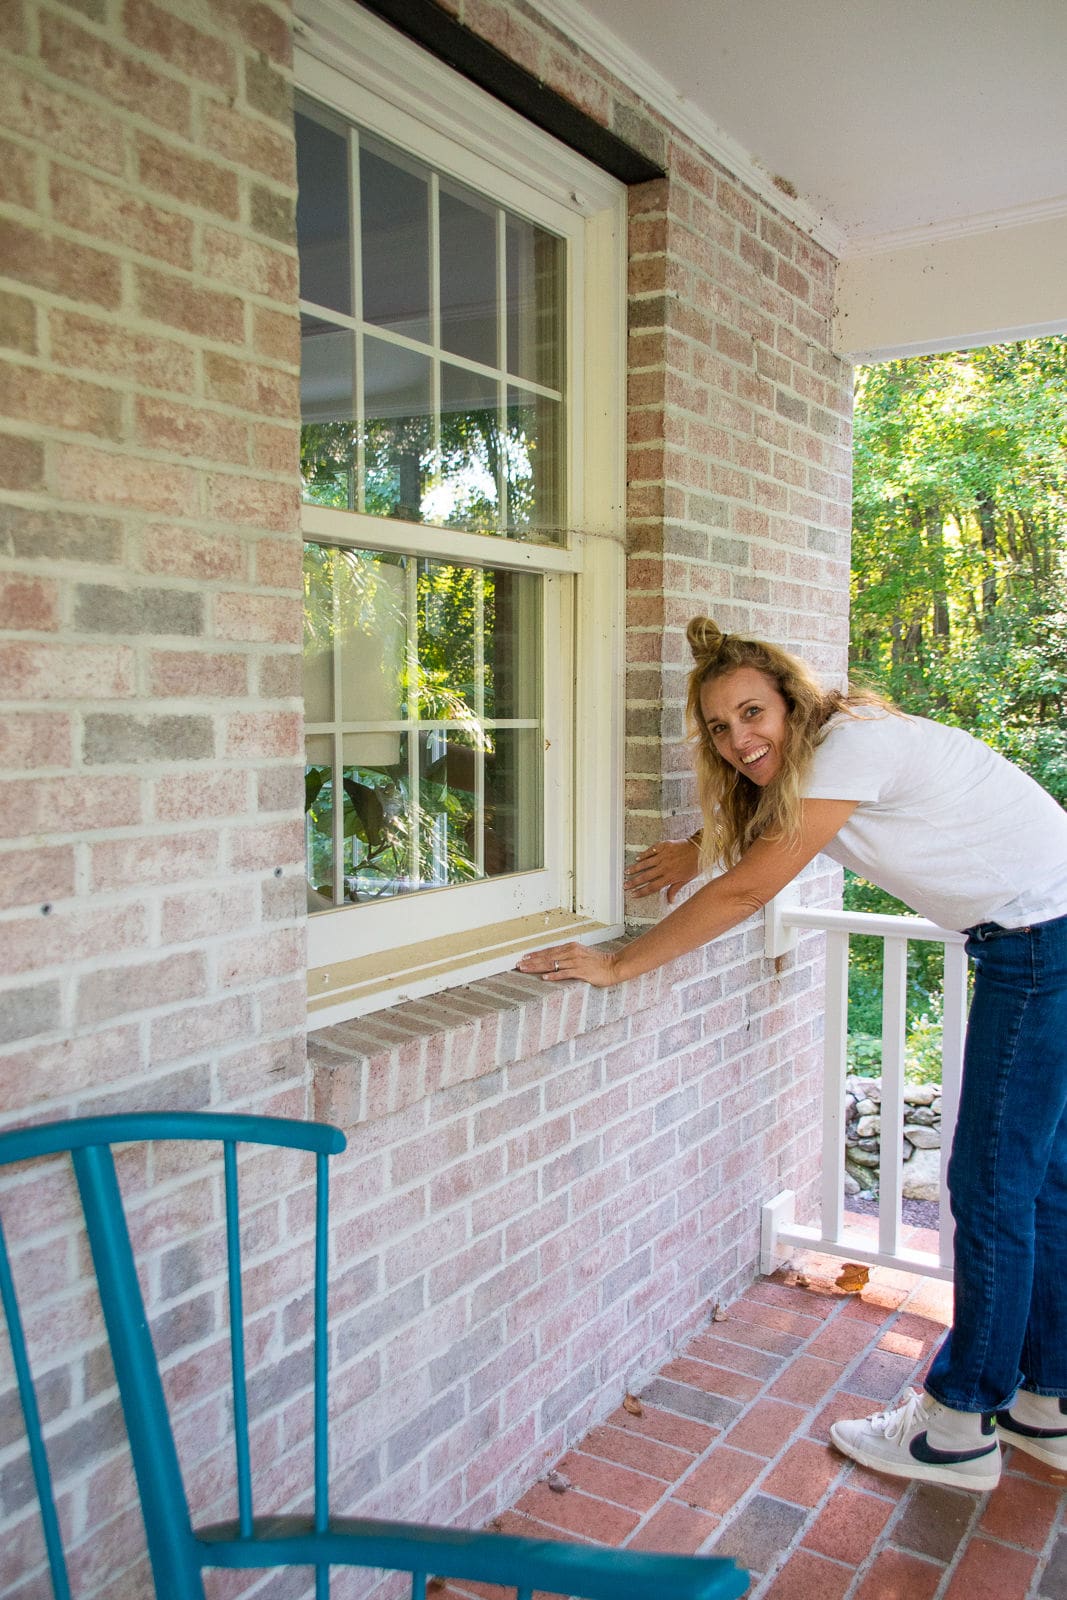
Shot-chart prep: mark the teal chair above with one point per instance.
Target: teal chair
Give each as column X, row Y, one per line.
column 179, row 1553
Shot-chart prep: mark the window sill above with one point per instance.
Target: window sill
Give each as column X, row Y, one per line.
column 377, row 1066
column 347, row 989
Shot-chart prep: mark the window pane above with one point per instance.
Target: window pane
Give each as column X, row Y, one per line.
column 468, row 491
column 448, row 640
column 535, row 303
column 514, row 828
column 395, row 221
column 512, row 607
column 328, row 455
column 468, row 277
column 432, row 789
column 323, row 217
column 534, row 464
column 398, row 432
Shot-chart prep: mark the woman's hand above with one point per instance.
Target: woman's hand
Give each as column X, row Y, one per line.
column 669, row 865
column 571, row 961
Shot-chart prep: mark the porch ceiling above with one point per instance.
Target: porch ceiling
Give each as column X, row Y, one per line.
column 892, row 122
column 921, row 141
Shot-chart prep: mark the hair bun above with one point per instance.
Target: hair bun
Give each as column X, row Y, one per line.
column 705, row 637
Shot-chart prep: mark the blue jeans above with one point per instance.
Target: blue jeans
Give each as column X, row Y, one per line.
column 1007, row 1176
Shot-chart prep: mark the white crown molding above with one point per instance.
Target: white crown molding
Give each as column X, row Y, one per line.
column 609, row 51
column 877, row 244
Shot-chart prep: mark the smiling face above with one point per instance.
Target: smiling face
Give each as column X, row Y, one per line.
column 748, row 720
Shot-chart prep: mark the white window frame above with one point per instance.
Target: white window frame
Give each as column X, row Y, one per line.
column 352, row 62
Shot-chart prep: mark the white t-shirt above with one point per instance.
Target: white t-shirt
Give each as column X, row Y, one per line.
column 943, row 822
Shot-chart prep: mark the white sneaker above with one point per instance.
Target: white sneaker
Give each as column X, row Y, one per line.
column 1037, row 1424
column 925, row 1440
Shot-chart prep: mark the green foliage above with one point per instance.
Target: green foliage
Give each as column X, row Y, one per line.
column 959, row 607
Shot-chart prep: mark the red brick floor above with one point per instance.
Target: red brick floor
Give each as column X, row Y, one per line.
column 730, row 1456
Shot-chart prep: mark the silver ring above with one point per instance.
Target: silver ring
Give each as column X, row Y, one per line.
column 555, row 966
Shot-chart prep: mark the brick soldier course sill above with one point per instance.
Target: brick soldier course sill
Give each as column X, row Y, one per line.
column 378, row 1065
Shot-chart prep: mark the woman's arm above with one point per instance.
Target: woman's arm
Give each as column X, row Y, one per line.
column 716, row 908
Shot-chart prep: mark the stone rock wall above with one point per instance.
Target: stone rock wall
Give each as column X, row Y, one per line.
column 921, row 1132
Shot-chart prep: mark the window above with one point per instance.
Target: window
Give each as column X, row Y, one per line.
column 460, row 280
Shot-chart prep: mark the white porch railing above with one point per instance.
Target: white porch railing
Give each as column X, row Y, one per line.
column 780, row 1232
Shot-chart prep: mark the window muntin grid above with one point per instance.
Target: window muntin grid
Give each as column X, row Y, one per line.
column 422, row 690
column 433, row 338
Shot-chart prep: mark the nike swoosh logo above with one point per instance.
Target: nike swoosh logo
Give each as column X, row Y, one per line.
column 923, row 1451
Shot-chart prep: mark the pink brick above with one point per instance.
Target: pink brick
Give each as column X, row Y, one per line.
column 253, row 502
column 279, row 563
column 189, row 431
column 264, row 733
column 113, row 991
column 198, row 54
column 257, row 618
column 91, row 343
column 61, row 805
column 235, row 136
column 124, row 480
column 96, row 64
column 245, row 264
column 53, row 672
column 62, row 402
column 31, row 942
column 110, row 214
column 75, row 128
column 207, row 913
column 190, row 799
column 43, row 874
column 277, row 844
column 200, row 1028
column 175, row 171
column 184, row 552
column 34, row 739
column 28, row 603
column 200, row 674
column 267, row 955
column 171, row 858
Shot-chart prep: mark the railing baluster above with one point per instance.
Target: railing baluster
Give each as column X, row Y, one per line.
column 894, row 1034
column 779, row 1231
column 953, row 1028
column 835, row 1061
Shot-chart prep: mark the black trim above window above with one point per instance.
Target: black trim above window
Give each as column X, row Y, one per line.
column 484, row 65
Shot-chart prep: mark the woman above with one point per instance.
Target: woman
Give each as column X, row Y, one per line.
column 785, row 770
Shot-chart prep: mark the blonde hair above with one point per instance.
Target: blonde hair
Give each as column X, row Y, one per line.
column 737, row 811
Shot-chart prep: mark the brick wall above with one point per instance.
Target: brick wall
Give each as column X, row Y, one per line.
column 543, row 1192
column 150, row 864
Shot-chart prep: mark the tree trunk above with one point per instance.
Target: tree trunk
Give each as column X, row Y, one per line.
column 986, row 510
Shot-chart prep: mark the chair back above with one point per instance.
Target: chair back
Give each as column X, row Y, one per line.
column 178, row 1552
column 175, row 1553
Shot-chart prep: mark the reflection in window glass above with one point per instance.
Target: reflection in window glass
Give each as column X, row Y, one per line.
column 395, row 231
column 468, row 277
column 328, row 441
column 440, row 398
column 323, row 217
column 422, row 687
column 534, row 463
column 398, row 431
column 467, row 494
column 535, row 303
